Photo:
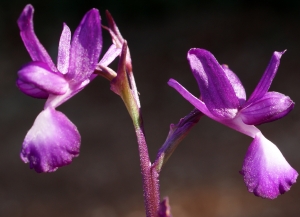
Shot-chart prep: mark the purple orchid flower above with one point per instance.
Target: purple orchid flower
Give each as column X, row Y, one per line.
column 266, row 172
column 53, row 141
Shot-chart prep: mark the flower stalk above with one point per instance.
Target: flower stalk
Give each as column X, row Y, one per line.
column 120, row 85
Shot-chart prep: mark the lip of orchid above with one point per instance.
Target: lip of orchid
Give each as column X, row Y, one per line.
column 266, row 172
column 52, row 142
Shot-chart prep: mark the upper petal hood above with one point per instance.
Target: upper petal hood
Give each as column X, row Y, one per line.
column 53, row 141
column 236, row 84
column 266, row 172
column 86, row 46
column 215, row 87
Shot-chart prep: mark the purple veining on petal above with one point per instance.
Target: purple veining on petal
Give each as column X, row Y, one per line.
column 236, row 84
column 272, row 106
column 86, row 46
column 266, row 172
column 63, row 56
column 31, row 90
column 216, row 90
column 35, row 49
column 52, row 142
column 39, row 76
column 267, row 78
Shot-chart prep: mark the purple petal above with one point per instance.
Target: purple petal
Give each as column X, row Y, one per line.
column 85, row 47
column 39, row 78
column 267, row 78
column 236, row 84
column 216, row 90
column 191, row 98
column 36, row 51
column 110, row 55
column 53, row 141
column 31, row 90
column 63, row 57
column 235, row 123
column 270, row 107
column 266, row 172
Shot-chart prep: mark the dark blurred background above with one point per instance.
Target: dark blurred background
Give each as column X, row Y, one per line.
column 201, row 178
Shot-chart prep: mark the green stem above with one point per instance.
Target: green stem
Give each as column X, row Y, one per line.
column 120, row 85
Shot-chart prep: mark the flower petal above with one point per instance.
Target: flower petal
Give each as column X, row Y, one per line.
column 267, row 78
column 270, row 107
column 40, row 77
column 31, row 90
column 52, row 142
column 216, row 90
column 35, row 49
column 266, row 172
column 192, row 99
column 85, row 47
column 63, row 57
column 235, row 123
column 110, row 55
column 236, row 84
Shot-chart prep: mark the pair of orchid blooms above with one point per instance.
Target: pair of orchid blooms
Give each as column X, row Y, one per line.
column 53, row 141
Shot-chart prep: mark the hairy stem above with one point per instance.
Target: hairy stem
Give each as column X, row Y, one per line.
column 149, row 176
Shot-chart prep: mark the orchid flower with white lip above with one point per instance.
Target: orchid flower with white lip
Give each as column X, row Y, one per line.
column 53, row 141
column 266, row 172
